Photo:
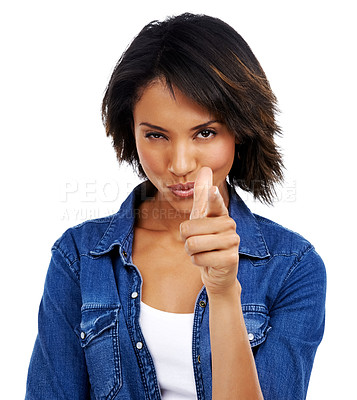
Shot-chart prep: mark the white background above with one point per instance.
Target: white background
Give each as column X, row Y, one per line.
column 58, row 168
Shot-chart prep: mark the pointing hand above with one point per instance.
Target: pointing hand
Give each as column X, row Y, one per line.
column 210, row 236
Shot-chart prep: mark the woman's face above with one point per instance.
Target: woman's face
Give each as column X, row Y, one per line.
column 175, row 137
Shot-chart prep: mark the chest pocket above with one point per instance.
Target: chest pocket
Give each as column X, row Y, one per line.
column 98, row 333
column 256, row 320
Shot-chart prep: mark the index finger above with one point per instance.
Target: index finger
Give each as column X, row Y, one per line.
column 203, row 183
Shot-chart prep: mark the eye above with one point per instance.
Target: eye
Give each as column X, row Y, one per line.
column 206, row 134
column 154, row 136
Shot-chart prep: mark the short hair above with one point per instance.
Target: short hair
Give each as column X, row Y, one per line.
column 209, row 62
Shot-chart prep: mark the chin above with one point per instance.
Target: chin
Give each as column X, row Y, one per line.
column 182, row 206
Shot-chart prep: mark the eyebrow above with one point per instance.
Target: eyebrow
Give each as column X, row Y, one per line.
column 159, row 128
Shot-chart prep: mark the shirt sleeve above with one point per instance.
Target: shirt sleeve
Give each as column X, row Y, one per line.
column 284, row 361
column 57, row 368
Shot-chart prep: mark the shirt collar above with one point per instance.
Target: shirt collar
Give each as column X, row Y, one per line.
column 252, row 242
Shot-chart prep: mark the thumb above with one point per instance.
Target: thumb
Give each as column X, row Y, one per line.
column 202, row 186
column 216, row 206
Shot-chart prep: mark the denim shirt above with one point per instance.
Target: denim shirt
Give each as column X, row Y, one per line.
column 90, row 345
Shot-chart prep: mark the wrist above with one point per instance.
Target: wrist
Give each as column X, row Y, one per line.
column 226, row 294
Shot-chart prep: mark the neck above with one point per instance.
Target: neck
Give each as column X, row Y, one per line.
column 159, row 215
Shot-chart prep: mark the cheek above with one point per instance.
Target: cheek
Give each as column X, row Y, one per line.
column 221, row 159
column 150, row 161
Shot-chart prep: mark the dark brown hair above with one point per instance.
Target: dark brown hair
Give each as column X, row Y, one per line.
column 209, row 62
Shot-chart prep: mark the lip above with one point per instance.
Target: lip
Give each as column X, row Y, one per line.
column 182, row 189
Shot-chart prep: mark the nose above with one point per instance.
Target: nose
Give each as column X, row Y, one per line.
column 182, row 159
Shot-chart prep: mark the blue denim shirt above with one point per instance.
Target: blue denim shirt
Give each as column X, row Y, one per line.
column 90, row 345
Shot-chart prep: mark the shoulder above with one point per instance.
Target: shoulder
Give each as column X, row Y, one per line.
column 263, row 239
column 290, row 248
column 80, row 239
column 281, row 240
column 98, row 236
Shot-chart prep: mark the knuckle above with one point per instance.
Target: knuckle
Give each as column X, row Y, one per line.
column 184, row 229
column 235, row 257
column 198, row 259
column 231, row 258
column 232, row 241
column 194, row 259
column 232, row 224
column 229, row 223
column 236, row 240
column 191, row 244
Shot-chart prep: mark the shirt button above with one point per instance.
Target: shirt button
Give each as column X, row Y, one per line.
column 125, row 254
column 83, row 335
column 139, row 345
column 202, row 304
column 134, row 295
column 250, row 336
column 199, row 359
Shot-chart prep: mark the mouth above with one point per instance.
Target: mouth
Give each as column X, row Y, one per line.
column 182, row 189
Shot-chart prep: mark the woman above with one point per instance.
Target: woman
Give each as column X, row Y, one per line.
column 184, row 293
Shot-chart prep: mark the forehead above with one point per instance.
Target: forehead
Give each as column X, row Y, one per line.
column 158, row 102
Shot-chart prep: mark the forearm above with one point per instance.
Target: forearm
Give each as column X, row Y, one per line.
column 234, row 375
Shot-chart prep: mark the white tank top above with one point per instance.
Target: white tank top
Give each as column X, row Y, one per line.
column 169, row 339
